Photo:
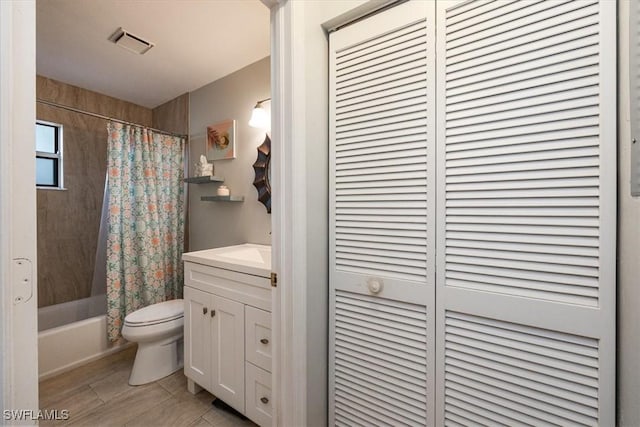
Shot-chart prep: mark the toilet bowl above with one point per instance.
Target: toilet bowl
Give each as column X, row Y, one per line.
column 158, row 330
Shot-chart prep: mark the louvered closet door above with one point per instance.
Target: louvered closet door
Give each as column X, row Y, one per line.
column 526, row 213
column 382, row 214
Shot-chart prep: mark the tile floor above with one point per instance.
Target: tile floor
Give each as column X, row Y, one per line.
column 98, row 394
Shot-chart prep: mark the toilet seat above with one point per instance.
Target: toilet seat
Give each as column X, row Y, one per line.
column 155, row 314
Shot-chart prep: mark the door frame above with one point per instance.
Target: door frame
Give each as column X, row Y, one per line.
column 18, row 296
column 288, row 218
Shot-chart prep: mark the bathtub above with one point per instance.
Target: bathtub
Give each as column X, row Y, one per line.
column 72, row 334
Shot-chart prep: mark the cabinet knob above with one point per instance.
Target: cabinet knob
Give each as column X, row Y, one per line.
column 264, row 400
column 213, row 313
column 264, row 341
column 204, row 310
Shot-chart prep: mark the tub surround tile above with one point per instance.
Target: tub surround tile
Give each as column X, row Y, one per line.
column 173, row 116
column 84, row 99
column 74, row 255
column 69, row 221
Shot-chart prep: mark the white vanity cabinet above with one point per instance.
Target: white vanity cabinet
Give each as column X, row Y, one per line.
column 227, row 333
column 214, row 345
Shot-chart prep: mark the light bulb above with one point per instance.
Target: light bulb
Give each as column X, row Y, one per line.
column 260, row 118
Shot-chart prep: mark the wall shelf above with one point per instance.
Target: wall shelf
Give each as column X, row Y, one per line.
column 204, row 179
column 222, row 198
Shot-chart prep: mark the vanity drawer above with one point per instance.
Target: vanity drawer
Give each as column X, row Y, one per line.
column 258, row 395
column 258, row 337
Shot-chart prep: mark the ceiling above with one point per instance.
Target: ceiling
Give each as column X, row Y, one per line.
column 196, row 42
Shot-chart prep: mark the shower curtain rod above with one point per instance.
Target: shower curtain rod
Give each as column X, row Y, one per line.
column 100, row 116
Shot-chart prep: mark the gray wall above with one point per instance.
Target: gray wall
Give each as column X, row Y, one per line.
column 628, row 378
column 216, row 224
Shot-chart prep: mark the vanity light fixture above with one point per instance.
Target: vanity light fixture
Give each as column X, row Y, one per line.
column 259, row 117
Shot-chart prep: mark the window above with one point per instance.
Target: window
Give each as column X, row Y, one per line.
column 48, row 155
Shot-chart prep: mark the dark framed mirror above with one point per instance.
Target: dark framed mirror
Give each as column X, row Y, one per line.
column 263, row 173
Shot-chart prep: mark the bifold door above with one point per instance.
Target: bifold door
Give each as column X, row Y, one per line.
column 522, row 298
column 526, row 213
column 382, row 219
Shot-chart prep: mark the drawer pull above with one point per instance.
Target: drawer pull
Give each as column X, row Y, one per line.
column 264, row 400
column 264, row 341
column 213, row 313
column 204, row 310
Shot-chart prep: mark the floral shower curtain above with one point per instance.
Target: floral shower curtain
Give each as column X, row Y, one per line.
column 146, row 221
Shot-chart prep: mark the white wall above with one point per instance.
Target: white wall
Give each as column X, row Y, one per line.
column 216, row 224
column 628, row 377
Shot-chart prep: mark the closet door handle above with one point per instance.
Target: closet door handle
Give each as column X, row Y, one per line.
column 213, row 313
column 264, row 341
column 204, row 310
column 264, row 400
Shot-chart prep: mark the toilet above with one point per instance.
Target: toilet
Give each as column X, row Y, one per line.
column 158, row 330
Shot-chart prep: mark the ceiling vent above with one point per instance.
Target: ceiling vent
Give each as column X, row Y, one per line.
column 128, row 41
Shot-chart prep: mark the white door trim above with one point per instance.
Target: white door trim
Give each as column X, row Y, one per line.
column 288, row 221
column 18, row 296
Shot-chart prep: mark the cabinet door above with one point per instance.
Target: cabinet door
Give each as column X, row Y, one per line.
column 197, row 336
column 228, row 352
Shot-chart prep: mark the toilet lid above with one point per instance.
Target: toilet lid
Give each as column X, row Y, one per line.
column 157, row 313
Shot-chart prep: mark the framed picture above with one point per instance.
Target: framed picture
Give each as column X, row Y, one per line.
column 221, row 141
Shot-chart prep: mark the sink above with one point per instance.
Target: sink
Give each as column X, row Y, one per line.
column 249, row 255
column 248, row 258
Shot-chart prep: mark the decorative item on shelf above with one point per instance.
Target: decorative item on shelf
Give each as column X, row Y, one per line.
column 262, row 170
column 203, row 167
column 260, row 118
column 223, row 190
column 221, row 142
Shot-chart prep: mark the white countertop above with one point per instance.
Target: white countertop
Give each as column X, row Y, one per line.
column 248, row 258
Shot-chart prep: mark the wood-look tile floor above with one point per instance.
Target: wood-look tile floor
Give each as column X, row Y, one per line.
column 98, row 394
